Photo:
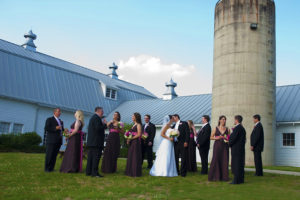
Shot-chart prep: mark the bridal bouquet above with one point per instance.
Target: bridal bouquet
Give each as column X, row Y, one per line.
column 174, row 133
column 128, row 135
column 66, row 133
column 145, row 135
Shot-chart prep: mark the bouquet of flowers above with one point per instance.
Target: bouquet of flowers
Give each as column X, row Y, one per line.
column 128, row 135
column 66, row 133
column 174, row 133
column 145, row 135
column 226, row 137
column 120, row 125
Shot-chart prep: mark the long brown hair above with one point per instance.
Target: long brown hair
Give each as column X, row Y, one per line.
column 221, row 117
column 119, row 116
column 138, row 117
column 190, row 123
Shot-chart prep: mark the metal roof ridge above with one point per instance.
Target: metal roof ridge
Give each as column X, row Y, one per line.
column 290, row 85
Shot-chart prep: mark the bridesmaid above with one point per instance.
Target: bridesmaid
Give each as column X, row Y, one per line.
column 112, row 148
column 72, row 161
column 134, row 159
column 219, row 165
column 191, row 159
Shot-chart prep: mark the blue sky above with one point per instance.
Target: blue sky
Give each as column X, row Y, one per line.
column 174, row 36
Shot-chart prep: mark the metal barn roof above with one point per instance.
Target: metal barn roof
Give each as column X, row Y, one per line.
column 188, row 107
column 42, row 79
column 41, row 58
column 193, row 107
column 288, row 103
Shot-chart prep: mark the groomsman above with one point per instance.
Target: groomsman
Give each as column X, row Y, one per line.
column 95, row 142
column 181, row 144
column 53, row 132
column 203, row 143
column 237, row 142
column 257, row 144
column 147, row 144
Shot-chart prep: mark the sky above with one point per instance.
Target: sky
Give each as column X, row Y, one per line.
column 150, row 41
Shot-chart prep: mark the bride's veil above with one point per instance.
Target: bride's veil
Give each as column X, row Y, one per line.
column 166, row 120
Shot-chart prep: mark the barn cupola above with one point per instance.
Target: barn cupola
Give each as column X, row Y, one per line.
column 29, row 44
column 170, row 92
column 113, row 74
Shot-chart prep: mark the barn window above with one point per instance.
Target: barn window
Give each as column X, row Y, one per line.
column 288, row 139
column 111, row 93
column 4, row 127
column 17, row 128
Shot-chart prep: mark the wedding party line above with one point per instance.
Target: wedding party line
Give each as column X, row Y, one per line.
column 180, row 142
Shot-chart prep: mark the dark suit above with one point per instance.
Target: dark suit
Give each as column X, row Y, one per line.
column 95, row 144
column 237, row 142
column 257, row 141
column 151, row 130
column 203, row 139
column 180, row 150
column 53, row 142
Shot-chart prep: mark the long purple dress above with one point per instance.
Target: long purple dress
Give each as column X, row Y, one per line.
column 111, row 151
column 72, row 161
column 134, row 159
column 219, row 165
column 191, row 158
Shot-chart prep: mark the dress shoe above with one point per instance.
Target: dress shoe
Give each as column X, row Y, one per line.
column 98, row 176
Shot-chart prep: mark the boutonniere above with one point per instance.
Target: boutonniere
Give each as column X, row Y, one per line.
column 180, row 123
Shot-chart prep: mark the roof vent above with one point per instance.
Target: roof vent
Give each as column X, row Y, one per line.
column 29, row 45
column 113, row 73
column 170, row 92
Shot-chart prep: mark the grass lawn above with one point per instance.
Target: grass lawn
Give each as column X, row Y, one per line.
column 22, row 177
column 282, row 168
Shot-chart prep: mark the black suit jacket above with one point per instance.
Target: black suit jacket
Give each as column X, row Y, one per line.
column 203, row 137
column 53, row 136
column 184, row 132
column 257, row 138
column 237, row 140
column 151, row 130
column 96, row 131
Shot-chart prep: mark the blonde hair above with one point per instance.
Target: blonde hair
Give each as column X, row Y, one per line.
column 79, row 116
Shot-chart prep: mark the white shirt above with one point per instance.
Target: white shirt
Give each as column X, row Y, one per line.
column 256, row 123
column 146, row 125
column 236, row 125
column 177, row 125
column 204, row 125
column 58, row 121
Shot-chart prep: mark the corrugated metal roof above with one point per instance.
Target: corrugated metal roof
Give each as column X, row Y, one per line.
column 188, row 107
column 193, row 107
column 288, row 103
column 41, row 79
column 17, row 50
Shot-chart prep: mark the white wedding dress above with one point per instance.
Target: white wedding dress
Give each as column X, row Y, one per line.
column 164, row 164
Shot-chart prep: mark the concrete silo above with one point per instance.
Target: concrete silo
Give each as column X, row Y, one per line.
column 244, row 75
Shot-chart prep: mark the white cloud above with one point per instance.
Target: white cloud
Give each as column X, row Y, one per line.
column 152, row 73
column 149, row 65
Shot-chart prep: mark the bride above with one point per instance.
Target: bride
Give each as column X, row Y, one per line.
column 164, row 164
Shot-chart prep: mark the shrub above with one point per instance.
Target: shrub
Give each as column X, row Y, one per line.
column 26, row 142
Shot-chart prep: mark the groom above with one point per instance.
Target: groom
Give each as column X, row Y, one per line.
column 181, row 144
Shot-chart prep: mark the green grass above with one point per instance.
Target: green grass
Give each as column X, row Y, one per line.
column 22, row 177
column 281, row 168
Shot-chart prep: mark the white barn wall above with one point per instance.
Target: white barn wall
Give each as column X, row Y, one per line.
column 33, row 117
column 287, row 156
column 18, row 112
